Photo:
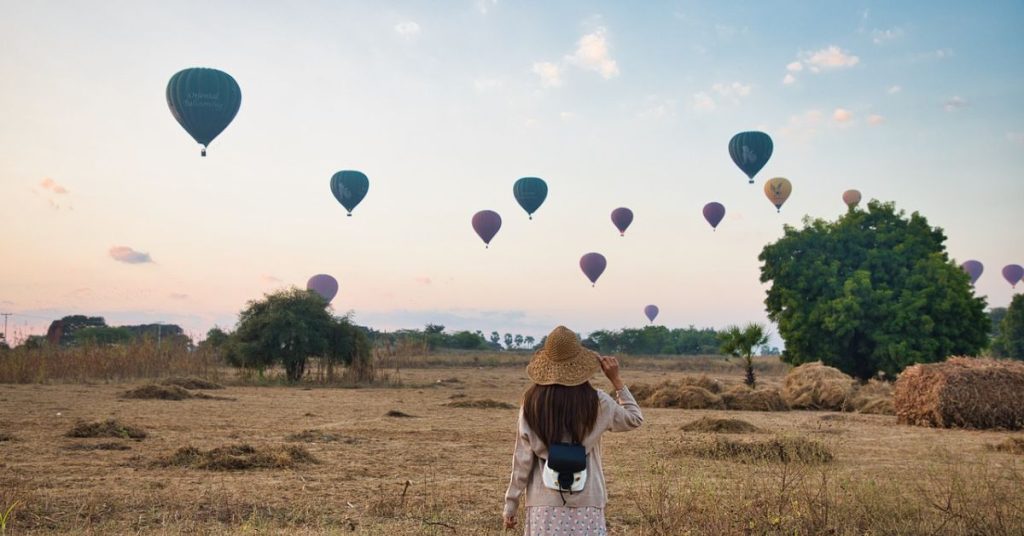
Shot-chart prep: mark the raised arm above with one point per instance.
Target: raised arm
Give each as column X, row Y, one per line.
column 626, row 414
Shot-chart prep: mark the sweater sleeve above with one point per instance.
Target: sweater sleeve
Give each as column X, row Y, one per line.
column 522, row 465
column 626, row 414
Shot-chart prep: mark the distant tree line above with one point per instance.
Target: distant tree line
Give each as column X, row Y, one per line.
column 81, row 329
column 655, row 340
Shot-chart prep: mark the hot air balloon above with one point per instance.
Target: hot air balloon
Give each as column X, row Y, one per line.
column 652, row 312
column 593, row 265
column 751, row 151
column 204, row 101
column 349, row 188
column 778, row 190
column 851, row 198
column 714, row 212
column 973, row 269
column 486, row 224
column 324, row 285
column 622, row 217
column 530, row 192
column 1013, row 273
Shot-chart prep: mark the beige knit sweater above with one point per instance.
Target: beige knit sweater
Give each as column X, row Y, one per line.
column 531, row 454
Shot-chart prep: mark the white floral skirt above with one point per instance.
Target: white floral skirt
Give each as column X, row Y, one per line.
column 562, row 520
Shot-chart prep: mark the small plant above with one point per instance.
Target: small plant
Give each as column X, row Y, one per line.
column 5, row 517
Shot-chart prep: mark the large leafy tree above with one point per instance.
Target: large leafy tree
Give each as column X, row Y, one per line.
column 741, row 342
column 1010, row 340
column 873, row 291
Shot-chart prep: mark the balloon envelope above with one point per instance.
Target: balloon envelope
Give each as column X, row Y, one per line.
column 349, row 188
column 1013, row 273
column 530, row 193
column 777, row 190
column 622, row 217
column 204, row 101
column 651, row 311
column 751, row 151
column 486, row 224
column 973, row 269
column 324, row 285
column 851, row 198
column 593, row 265
column 714, row 212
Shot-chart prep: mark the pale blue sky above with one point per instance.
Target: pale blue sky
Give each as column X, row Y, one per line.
column 444, row 105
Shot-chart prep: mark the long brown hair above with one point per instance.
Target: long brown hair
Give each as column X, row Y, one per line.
column 556, row 411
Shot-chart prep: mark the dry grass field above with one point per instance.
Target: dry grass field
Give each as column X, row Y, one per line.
column 404, row 460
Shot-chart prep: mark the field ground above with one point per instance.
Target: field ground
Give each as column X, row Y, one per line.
column 885, row 478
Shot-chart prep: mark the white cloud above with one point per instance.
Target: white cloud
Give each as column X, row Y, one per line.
column 52, row 186
column 408, row 29
column 484, row 5
column 657, row 107
column 880, row 37
column 702, row 102
column 830, row 58
column 565, row 116
column 549, row 73
column 270, row 279
column 875, row 119
column 486, row 84
column 795, row 67
column 804, row 126
column 128, row 255
column 593, row 53
column 1015, row 137
column 933, row 55
column 842, row 115
column 955, row 103
column 894, row 90
column 789, row 79
column 734, row 90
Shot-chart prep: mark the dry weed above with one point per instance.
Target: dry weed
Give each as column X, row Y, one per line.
column 781, row 449
column 720, row 426
column 239, row 458
column 485, row 403
column 191, row 382
column 107, row 428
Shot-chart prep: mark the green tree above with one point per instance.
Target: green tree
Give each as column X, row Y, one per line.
column 529, row 340
column 872, row 291
column 741, row 342
column 103, row 335
column 996, row 315
column 518, row 339
column 508, row 341
column 215, row 338
column 496, row 339
column 1010, row 341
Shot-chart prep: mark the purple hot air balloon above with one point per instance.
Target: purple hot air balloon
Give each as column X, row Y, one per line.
column 622, row 217
column 1013, row 273
column 324, row 285
column 973, row 269
column 486, row 224
column 593, row 265
column 652, row 312
column 714, row 212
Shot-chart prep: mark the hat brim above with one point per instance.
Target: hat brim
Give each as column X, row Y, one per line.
column 576, row 370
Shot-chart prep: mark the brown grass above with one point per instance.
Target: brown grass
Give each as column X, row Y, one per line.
column 318, row 436
column 153, row 391
column 484, row 403
column 781, row 449
column 190, row 382
column 105, row 445
column 742, row 398
column 720, row 426
column 398, row 414
column 1013, row 445
column 107, row 428
column 962, row 392
column 239, row 458
column 816, row 386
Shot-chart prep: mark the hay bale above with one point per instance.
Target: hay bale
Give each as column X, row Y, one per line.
column 191, row 382
column 1012, row 445
column 239, row 457
column 485, row 403
column 157, row 392
column 107, row 428
column 711, row 385
column 873, row 397
column 720, row 426
column 684, row 397
column 816, row 386
column 779, row 449
column 962, row 392
column 743, row 398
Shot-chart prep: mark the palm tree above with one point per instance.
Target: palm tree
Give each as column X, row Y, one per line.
column 740, row 342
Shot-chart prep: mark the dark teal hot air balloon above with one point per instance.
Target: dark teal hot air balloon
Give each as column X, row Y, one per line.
column 750, row 151
column 530, row 192
column 349, row 188
column 204, row 101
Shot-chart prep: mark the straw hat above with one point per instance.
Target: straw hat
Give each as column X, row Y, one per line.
column 563, row 360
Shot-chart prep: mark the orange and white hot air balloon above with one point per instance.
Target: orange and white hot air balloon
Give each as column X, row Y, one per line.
column 777, row 190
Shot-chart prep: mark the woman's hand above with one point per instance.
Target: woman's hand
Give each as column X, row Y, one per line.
column 610, row 366
column 510, row 521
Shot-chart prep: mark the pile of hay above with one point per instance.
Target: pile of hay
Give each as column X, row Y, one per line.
column 816, row 386
column 1013, row 445
column 743, row 398
column 318, row 436
column 191, row 382
column 962, row 392
column 107, row 428
column 485, row 403
column 106, row 445
column 153, row 391
column 239, row 457
column 642, row 391
column 399, row 414
column 668, row 395
column 874, row 397
column 720, row 426
column 778, row 449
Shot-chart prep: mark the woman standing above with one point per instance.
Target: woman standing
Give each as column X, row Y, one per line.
column 563, row 412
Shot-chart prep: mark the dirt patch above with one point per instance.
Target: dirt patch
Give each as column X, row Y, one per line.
column 319, row 436
column 106, row 445
column 107, row 428
column 239, row 458
column 720, row 426
column 398, row 414
column 778, row 449
column 1013, row 445
column 191, row 382
column 485, row 403
column 816, row 386
column 743, row 398
column 962, row 392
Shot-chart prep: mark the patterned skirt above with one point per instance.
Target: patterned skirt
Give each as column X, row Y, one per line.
column 563, row 520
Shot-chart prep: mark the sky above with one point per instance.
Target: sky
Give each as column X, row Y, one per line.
column 108, row 209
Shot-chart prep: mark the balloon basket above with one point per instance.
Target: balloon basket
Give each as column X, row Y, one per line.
column 202, row 152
